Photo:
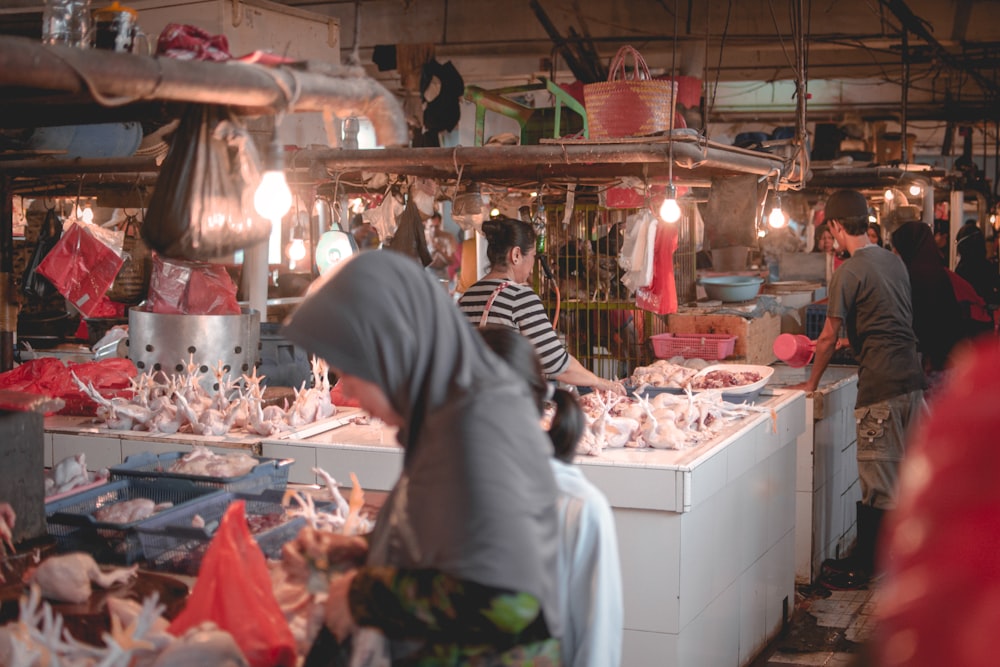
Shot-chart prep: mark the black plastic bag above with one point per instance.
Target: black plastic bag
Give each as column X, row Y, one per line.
column 202, row 207
column 35, row 285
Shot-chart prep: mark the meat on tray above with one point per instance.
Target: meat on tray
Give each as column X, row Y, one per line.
column 188, row 558
column 204, row 462
column 723, row 379
column 130, row 511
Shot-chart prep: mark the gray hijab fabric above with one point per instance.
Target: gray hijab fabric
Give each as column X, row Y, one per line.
column 476, row 498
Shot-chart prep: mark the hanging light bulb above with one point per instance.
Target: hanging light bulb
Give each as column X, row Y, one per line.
column 670, row 211
column 273, row 198
column 776, row 218
column 86, row 214
column 872, row 218
column 297, row 250
column 494, row 212
column 915, row 190
column 889, row 195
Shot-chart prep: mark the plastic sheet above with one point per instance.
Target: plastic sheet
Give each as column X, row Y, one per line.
column 180, row 287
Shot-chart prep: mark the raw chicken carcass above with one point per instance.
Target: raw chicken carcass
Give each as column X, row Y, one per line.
column 204, row 462
column 129, row 511
column 67, row 578
column 70, row 472
column 203, row 646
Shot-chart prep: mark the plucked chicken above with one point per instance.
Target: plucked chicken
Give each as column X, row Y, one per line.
column 203, row 646
column 67, row 578
column 204, row 462
column 130, row 511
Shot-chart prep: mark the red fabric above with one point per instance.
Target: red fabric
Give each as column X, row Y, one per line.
column 939, row 602
column 186, row 42
column 967, row 297
column 82, row 268
column 233, row 591
column 660, row 296
column 337, row 398
column 688, row 90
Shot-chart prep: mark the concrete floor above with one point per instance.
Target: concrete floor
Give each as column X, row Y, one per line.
column 827, row 629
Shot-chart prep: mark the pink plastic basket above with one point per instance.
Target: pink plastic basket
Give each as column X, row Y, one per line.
column 701, row 346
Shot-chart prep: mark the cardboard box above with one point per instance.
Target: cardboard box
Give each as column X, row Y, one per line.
column 754, row 337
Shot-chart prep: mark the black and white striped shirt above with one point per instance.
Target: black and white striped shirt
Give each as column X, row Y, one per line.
column 518, row 307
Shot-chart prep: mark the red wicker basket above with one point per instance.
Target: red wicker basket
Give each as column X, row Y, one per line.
column 628, row 107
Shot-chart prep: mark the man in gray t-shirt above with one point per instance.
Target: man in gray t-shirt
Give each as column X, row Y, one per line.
column 870, row 295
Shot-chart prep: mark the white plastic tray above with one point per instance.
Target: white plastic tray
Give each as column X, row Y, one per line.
column 765, row 375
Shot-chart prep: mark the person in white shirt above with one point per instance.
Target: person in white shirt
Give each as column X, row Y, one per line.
column 590, row 586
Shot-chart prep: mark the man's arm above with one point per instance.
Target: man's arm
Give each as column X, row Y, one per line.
column 826, row 345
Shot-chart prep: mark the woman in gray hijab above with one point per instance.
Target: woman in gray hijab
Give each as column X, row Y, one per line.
column 461, row 566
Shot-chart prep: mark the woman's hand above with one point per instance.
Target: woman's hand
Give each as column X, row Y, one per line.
column 614, row 386
column 313, row 550
column 7, row 520
column 337, row 610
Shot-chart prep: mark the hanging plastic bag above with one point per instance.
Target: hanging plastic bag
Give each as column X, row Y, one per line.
column 83, row 264
column 35, row 285
column 202, row 207
column 636, row 256
column 132, row 281
column 233, row 584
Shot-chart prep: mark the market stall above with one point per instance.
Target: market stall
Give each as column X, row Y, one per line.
column 706, row 534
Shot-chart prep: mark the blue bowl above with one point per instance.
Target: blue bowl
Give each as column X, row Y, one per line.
column 731, row 288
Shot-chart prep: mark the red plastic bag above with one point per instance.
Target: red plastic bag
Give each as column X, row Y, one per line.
column 233, row 591
column 187, row 42
column 48, row 376
column 660, row 296
column 82, row 267
column 180, row 287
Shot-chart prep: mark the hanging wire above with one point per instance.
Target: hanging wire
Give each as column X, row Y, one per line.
column 673, row 103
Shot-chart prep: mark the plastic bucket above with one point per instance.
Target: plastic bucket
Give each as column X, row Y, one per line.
column 795, row 350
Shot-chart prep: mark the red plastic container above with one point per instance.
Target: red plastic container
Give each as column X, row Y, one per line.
column 795, row 350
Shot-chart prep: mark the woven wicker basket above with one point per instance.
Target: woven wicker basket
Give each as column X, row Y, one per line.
column 624, row 107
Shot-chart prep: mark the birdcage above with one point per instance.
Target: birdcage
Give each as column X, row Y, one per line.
column 587, row 302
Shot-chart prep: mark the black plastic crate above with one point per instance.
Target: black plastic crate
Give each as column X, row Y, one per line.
column 267, row 474
column 815, row 319
column 71, row 520
column 171, row 544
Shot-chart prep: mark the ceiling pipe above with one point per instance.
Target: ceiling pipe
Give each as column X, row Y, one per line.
column 116, row 79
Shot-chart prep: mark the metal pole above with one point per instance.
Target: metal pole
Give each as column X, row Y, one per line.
column 8, row 307
column 904, row 157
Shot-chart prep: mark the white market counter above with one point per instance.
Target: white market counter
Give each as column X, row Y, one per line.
column 827, row 485
column 67, row 435
column 706, row 534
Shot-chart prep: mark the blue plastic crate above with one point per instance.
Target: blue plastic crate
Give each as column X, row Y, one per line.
column 267, row 474
column 170, row 543
column 71, row 520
